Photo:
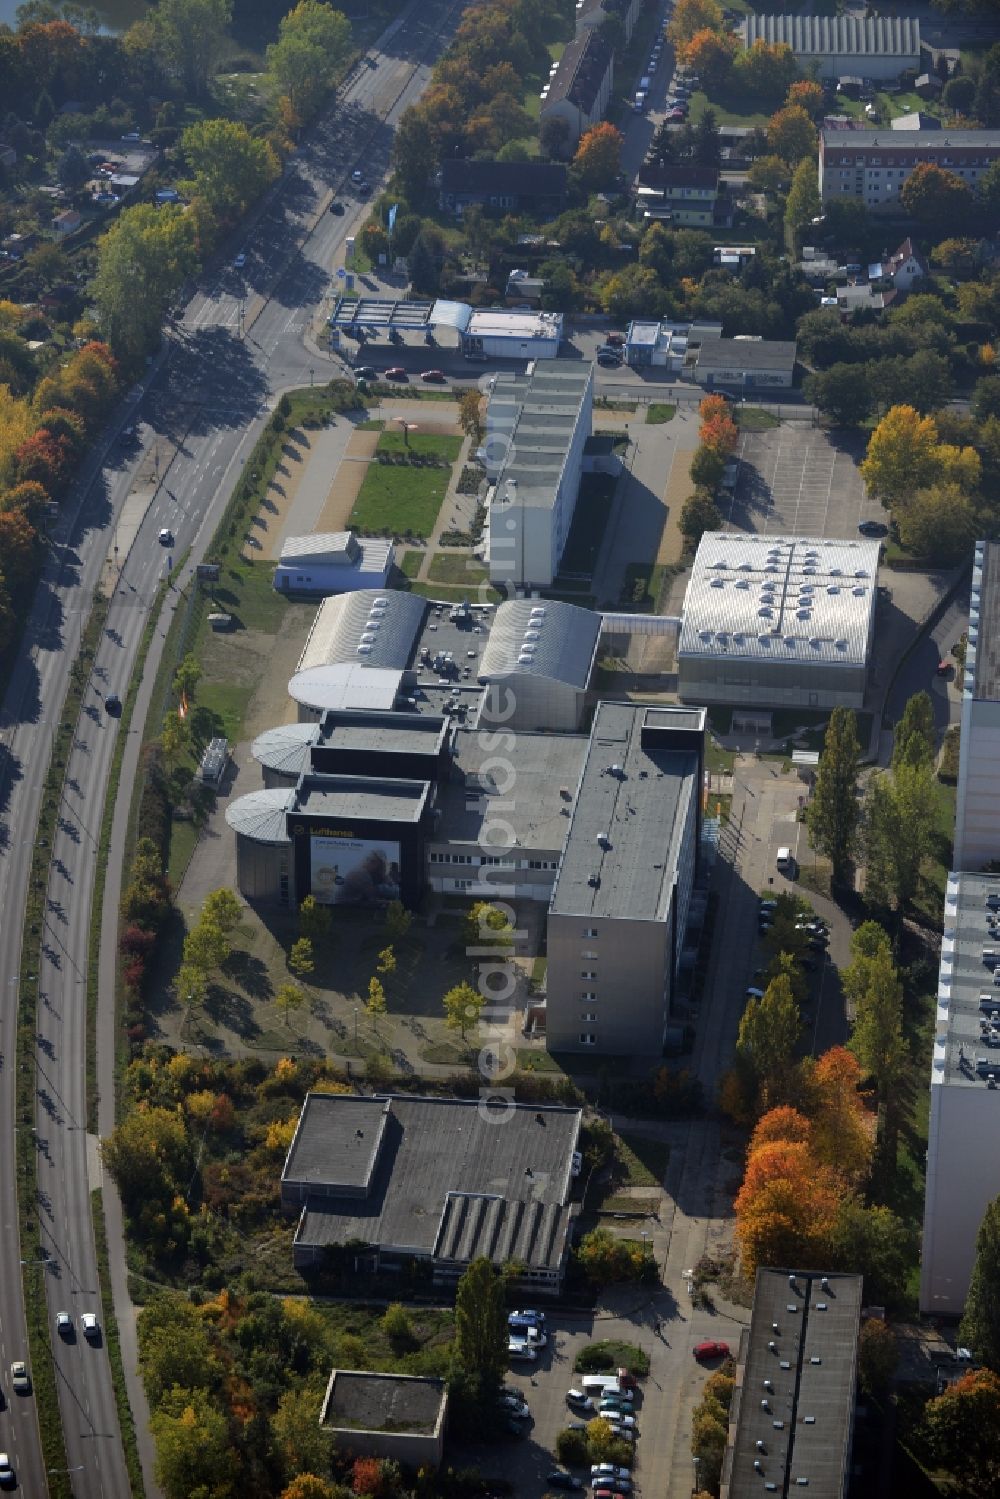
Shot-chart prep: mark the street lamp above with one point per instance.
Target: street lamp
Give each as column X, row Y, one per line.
column 312, row 372
column 697, row 1474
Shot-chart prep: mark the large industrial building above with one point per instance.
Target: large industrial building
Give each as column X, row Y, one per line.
column 537, row 426
column 791, row 1422
column 872, row 165
column 619, row 907
column 963, row 1162
column 540, row 654
column 977, row 810
column 395, row 1180
column 875, row 47
column 778, row 621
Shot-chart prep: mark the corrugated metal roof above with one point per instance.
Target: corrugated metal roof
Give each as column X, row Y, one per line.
column 286, row 748
column 541, row 638
column 471, row 1225
column 261, row 815
column 370, row 627
column 794, row 599
column 346, row 686
column 872, row 36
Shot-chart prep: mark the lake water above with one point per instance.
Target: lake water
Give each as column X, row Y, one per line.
column 116, row 15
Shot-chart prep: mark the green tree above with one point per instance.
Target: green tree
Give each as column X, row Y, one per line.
column 878, row 1042
column 187, row 676
column 222, row 908
column 289, row 997
column 375, row 1004
column 481, row 1329
column 191, row 985
column 73, row 169
column 766, row 1040
column 149, row 1156
column 193, row 1454
column 791, row 134
column 843, row 393
column 832, row 813
column 175, row 739
column 206, row 946
column 915, row 737
column 939, row 522
column 980, row 1329
column 230, row 167
column 878, row 1355
column 386, row 961
column 768, row 174
column 414, row 156
column 707, row 468
column 301, row 1442
column 899, row 820
column 188, row 36
column 315, row 920
column 313, row 44
column 301, row 959
column 486, row 926
column 142, row 261
column 174, row 1347
column 572, row 1449
column 396, row 1325
column 962, row 1428
column 959, row 93
column 462, row 1007
column 397, row 921
column 698, row 515
column 802, row 204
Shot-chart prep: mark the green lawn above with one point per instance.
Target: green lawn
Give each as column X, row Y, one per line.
column 730, row 109
column 641, row 1162
column 400, row 498
column 659, row 411
column 456, row 567
column 409, row 562
column 642, row 585
column 755, row 419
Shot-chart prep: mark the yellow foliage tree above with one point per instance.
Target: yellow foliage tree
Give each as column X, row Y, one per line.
column 902, row 455
column 16, row 426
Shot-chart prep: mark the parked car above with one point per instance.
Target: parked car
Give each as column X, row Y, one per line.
column 873, row 528
column 710, row 1349
column 434, row 377
column 608, row 1470
column 364, row 372
column 767, row 904
column 527, row 1314
column 357, row 175
column 396, row 372
column 616, row 340
column 944, row 667
column 578, row 1399
column 560, row 1479
column 165, row 537
column 609, row 359
column 676, row 116
column 576, row 1163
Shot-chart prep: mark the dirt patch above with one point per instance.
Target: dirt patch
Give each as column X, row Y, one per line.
column 347, row 481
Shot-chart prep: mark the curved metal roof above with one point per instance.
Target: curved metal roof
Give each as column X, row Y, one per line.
column 261, row 815
column 541, row 638
column 286, row 748
column 370, row 627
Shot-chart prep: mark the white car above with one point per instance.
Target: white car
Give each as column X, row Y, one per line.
column 8, row 1478
column 608, row 1470
column 91, row 1326
column 357, row 175
column 517, row 1349
column 20, row 1378
column 165, row 537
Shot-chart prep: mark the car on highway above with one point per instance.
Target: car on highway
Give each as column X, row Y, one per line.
column 560, row 1479
column 337, row 208
column 710, row 1349
column 433, row 377
column 20, row 1378
column 8, row 1478
column 113, row 704
column 91, row 1327
column 165, row 537
column 364, row 372
column 64, row 1325
column 240, row 261
column 873, row 528
column 396, row 372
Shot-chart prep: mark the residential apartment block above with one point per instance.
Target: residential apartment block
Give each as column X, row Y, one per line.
column 580, row 89
column 872, row 165
column 977, row 810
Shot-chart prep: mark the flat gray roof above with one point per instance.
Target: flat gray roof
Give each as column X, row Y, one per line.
column 371, row 798
column 545, row 769
column 626, row 825
column 967, row 1028
column 983, row 651
column 746, row 353
column 535, row 416
column 442, row 1177
column 910, row 140
column 803, row 1414
column 359, row 1401
column 402, row 733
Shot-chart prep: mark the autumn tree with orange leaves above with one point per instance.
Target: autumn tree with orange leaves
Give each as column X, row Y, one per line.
column 718, row 431
column 598, row 156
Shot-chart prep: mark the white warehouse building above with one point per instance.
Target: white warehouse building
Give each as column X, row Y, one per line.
column 537, row 426
column 778, row 621
column 539, row 658
column 333, row 562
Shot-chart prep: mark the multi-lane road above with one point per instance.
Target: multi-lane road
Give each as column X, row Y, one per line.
column 238, row 343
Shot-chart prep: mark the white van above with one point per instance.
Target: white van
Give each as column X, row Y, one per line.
column 599, row 1384
column 784, row 860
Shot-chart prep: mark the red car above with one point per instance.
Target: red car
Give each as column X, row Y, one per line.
column 676, row 116
column 396, row 373
column 708, row 1350
column 434, row 377
column 944, row 667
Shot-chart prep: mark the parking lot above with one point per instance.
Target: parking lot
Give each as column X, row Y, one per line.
column 796, row 480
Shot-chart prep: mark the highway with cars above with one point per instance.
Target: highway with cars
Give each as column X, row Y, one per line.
column 171, row 468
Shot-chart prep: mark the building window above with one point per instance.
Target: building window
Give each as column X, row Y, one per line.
column 588, row 973
column 588, row 955
column 588, row 994
column 590, row 931
column 587, row 1038
column 589, row 1016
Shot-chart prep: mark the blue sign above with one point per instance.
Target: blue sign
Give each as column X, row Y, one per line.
column 341, row 272
column 392, row 216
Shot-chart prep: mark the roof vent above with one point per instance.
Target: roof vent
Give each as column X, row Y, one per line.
column 862, row 573
column 809, row 1420
column 791, row 642
column 539, row 610
column 821, row 1306
column 836, row 572
column 765, row 613
column 594, row 880
column 742, row 583
column 773, row 1347
column 758, row 1466
column 833, row 588
column 824, row 1282
column 785, row 1364
column 815, row 1359
column 765, row 1405
column 717, row 583
column 859, row 593
column 760, row 1446
column 791, row 1307
column 616, row 770
column 803, row 614
column 803, row 1483
column 364, row 650
column 791, row 1282
column 768, row 1384
column 774, row 1327
column 604, row 840
column 841, row 645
